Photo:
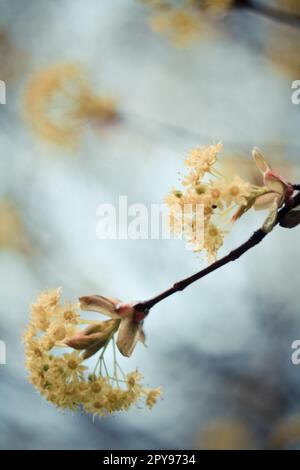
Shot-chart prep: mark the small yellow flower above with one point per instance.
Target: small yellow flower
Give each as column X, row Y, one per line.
column 213, row 240
column 73, row 364
column 49, row 299
column 57, row 331
column 12, row 232
column 216, row 193
column 69, row 313
column 237, row 191
column 203, row 158
column 152, row 397
column 133, row 380
column 40, row 317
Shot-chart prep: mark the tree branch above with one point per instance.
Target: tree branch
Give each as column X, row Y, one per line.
column 254, row 240
column 267, row 11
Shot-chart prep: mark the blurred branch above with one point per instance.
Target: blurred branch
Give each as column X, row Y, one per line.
column 135, row 118
column 274, row 14
column 254, row 240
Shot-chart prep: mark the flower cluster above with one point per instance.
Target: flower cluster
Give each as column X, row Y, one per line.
column 186, row 20
column 178, row 24
column 60, row 373
column 59, row 99
column 222, row 199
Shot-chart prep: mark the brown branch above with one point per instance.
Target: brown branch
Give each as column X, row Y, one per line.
column 269, row 12
column 254, row 240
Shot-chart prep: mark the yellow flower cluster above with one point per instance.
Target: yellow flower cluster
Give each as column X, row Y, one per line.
column 185, row 21
column 222, row 199
column 12, row 233
column 59, row 99
column 61, row 375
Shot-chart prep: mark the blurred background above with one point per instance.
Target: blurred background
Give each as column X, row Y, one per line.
column 157, row 86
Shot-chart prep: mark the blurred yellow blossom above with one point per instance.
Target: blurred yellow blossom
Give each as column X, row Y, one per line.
column 226, row 434
column 187, row 20
column 152, row 396
column 285, row 432
column 59, row 99
column 12, row 233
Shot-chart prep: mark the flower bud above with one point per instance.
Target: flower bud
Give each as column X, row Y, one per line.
column 94, row 337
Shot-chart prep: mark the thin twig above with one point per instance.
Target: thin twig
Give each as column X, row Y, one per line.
column 254, row 240
column 269, row 12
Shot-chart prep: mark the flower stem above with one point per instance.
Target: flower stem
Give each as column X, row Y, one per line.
column 115, row 360
column 100, row 359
